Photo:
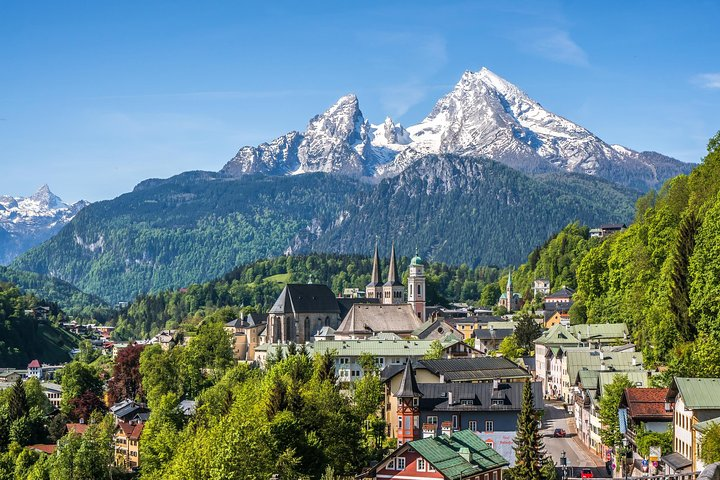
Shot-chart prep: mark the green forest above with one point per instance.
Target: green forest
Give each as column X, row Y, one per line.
column 25, row 336
column 194, row 227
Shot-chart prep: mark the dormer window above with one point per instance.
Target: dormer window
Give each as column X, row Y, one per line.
column 497, row 402
column 466, row 402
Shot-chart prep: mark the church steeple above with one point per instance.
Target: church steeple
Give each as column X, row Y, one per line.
column 408, row 406
column 393, row 290
column 393, row 276
column 374, row 288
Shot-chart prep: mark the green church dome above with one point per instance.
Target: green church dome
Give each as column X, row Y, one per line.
column 416, row 260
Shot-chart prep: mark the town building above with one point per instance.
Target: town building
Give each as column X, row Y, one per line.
column 127, row 444
column 130, row 411
column 393, row 292
column 606, row 230
column 541, row 287
column 53, row 392
column 460, row 456
column 35, row 369
column 488, row 340
column 695, row 400
column 644, row 408
column 564, row 295
column 436, row 329
column 245, row 334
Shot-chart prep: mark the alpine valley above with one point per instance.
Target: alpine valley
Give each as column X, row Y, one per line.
column 487, row 164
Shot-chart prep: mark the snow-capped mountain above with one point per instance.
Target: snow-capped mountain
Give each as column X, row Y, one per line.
column 29, row 221
column 483, row 116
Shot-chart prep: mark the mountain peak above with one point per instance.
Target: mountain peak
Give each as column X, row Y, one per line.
column 46, row 198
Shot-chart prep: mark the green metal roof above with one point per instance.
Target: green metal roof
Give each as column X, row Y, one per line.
column 703, row 426
column 638, row 379
column 558, row 335
column 600, row 331
column 578, row 359
column 355, row 348
column 698, row 393
column 443, row 453
column 416, row 260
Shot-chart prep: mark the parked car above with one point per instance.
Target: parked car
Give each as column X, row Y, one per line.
column 586, row 473
column 559, row 432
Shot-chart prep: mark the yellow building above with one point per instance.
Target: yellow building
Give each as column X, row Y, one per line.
column 127, row 445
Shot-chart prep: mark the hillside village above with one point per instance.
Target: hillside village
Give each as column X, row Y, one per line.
column 453, row 381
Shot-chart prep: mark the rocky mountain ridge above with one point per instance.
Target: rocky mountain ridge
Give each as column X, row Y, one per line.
column 483, row 116
column 28, row 221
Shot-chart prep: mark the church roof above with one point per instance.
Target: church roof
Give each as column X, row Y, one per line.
column 408, row 384
column 374, row 318
column 305, row 298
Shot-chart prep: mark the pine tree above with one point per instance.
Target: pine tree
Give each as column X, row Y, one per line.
column 680, row 277
column 17, row 404
column 530, row 455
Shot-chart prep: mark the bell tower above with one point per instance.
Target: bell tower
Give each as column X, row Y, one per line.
column 374, row 289
column 408, row 409
column 416, row 286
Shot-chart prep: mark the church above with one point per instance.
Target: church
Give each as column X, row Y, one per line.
column 393, row 291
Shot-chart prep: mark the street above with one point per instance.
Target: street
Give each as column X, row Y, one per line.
column 578, row 455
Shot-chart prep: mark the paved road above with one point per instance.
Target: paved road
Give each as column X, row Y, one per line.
column 577, row 454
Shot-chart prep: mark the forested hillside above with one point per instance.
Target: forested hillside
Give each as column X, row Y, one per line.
column 257, row 285
column 68, row 297
column 662, row 275
column 24, row 337
column 196, row 226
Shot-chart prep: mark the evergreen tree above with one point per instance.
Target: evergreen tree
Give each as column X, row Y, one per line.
column 527, row 330
column 530, row 458
column 17, row 404
column 680, row 276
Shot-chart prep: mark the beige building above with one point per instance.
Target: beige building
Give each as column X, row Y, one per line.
column 127, row 444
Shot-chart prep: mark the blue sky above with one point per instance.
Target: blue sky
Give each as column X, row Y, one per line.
column 97, row 96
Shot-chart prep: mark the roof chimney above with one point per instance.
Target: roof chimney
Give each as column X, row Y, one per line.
column 634, row 360
column 496, row 384
column 465, row 453
column 450, row 399
column 603, row 367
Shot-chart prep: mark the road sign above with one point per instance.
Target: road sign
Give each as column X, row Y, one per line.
column 655, row 454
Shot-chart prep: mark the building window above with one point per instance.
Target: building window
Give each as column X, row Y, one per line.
column 454, row 421
column 400, row 463
column 391, row 464
column 420, row 465
column 432, row 419
column 430, row 468
column 495, row 475
column 399, row 422
column 416, row 401
column 466, row 402
column 497, row 402
column 472, row 425
column 489, row 426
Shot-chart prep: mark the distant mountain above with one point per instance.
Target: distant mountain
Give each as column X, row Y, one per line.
column 484, row 116
column 198, row 225
column 29, row 221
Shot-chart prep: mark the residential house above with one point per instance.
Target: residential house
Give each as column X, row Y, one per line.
column 436, row 329
column 564, row 295
column 460, row 456
column 607, row 230
column 53, row 392
column 245, row 334
column 557, row 318
column 130, row 411
column 10, row 375
column 606, row 359
column 127, row 444
column 695, row 400
column 35, row 369
column 488, row 340
column 644, row 408
column 468, row 325
column 541, row 286
column 700, row 430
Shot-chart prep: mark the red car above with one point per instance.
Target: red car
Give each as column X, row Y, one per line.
column 586, row 473
column 559, row 432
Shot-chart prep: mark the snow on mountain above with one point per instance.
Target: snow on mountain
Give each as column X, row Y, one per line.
column 28, row 221
column 484, row 116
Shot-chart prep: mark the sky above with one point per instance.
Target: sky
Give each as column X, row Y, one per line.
column 98, row 96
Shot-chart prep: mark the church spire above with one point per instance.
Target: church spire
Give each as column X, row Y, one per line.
column 375, row 279
column 393, row 276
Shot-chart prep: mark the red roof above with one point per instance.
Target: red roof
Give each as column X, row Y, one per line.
column 646, row 404
column 76, row 427
column 48, row 448
column 34, row 364
column 131, row 430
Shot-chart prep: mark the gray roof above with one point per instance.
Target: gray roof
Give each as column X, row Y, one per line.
column 306, row 298
column 492, row 333
column 346, row 304
column 465, row 369
column 375, row 318
column 408, row 384
column 436, row 398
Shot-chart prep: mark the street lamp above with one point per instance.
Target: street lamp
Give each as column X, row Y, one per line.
column 563, row 464
column 625, row 455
